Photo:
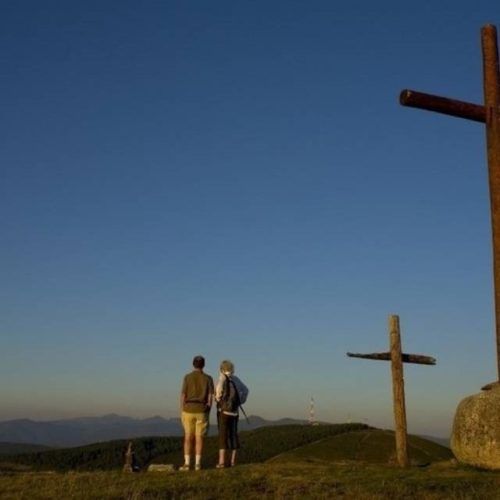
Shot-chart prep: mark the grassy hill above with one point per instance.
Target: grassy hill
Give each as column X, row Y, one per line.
column 347, row 461
column 369, row 445
column 264, row 443
column 288, row 443
column 258, row 446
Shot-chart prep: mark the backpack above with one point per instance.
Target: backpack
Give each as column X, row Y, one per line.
column 230, row 399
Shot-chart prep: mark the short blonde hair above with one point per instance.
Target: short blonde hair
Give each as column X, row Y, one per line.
column 227, row 366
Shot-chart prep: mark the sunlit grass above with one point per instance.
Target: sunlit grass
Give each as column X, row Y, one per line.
column 269, row 480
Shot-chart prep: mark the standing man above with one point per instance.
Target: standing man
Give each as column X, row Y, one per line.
column 196, row 400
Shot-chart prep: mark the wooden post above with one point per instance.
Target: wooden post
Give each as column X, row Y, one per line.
column 398, row 391
column 129, row 459
column 491, row 83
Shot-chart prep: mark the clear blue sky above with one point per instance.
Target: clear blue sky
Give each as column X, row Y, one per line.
column 237, row 179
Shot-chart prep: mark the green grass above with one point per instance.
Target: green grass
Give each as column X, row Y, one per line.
column 261, row 481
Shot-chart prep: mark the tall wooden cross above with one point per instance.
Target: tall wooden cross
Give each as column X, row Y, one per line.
column 397, row 358
column 489, row 113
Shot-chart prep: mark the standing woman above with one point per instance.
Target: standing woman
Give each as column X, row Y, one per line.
column 230, row 394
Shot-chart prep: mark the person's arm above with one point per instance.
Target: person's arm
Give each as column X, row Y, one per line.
column 183, row 394
column 210, row 393
column 219, row 388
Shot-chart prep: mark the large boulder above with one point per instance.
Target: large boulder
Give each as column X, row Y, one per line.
column 475, row 438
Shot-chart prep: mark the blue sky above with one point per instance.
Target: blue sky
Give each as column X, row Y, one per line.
column 237, row 179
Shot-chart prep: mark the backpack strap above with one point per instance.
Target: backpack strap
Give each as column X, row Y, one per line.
column 245, row 413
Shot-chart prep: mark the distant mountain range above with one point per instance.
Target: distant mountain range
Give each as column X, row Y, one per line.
column 87, row 430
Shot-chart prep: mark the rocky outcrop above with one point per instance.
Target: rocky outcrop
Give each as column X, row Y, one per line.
column 475, row 439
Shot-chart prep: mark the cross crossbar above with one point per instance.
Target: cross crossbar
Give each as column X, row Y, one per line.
column 489, row 114
column 418, row 359
column 430, row 102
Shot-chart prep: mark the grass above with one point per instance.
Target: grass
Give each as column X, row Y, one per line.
column 259, row 481
column 347, row 461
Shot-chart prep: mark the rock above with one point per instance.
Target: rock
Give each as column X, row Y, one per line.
column 475, row 438
column 161, row 468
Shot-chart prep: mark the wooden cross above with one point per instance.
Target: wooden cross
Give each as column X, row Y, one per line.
column 397, row 359
column 489, row 113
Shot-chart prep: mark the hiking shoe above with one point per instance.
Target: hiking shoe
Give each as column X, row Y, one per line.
column 184, row 468
column 197, row 467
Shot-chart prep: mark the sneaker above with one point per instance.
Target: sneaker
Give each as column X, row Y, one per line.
column 184, row 468
column 197, row 467
column 220, row 466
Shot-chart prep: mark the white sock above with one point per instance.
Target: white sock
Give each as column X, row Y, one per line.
column 187, row 459
column 198, row 459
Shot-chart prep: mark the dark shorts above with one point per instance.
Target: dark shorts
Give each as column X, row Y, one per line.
column 228, row 432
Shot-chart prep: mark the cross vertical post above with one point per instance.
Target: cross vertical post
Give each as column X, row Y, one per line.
column 491, row 81
column 398, row 391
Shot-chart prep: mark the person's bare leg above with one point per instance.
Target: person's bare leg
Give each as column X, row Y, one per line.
column 188, row 442
column 199, row 450
column 233, row 458
column 222, row 457
column 188, row 439
column 199, row 445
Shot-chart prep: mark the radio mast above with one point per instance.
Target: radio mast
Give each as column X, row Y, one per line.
column 312, row 415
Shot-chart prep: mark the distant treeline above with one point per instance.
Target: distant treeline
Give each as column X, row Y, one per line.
column 18, row 448
column 257, row 445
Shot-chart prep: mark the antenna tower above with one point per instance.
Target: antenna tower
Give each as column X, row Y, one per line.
column 312, row 417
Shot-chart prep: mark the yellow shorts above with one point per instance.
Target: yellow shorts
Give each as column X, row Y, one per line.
column 195, row 423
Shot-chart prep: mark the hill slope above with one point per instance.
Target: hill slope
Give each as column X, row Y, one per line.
column 369, row 445
column 264, row 443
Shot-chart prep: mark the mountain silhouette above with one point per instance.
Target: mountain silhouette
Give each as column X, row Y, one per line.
column 86, row 430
